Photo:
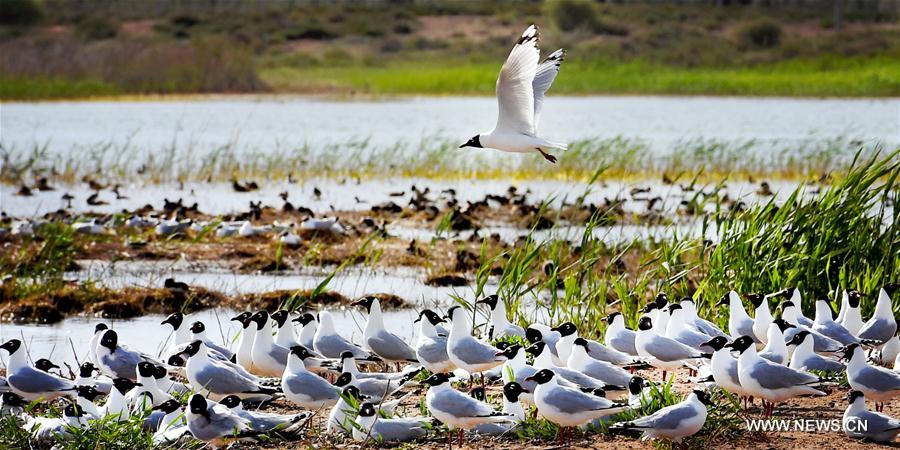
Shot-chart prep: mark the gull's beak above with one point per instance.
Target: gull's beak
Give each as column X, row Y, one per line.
column 529, row 378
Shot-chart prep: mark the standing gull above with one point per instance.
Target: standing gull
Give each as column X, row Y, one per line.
column 386, row 345
column 804, row 358
column 500, row 326
column 330, row 344
column 466, row 352
column 218, row 379
column 858, row 422
column 28, row 382
column 303, row 387
column 739, row 322
column 850, row 316
column 521, row 86
column 660, row 351
column 431, row 348
column 881, row 326
column 618, row 336
column 877, row 383
column 456, row 410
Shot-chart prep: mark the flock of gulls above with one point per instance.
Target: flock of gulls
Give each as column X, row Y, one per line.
column 200, row 389
column 197, row 388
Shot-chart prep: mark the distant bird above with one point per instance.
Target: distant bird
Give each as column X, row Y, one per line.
column 860, row 423
column 94, row 200
column 521, row 86
column 674, row 422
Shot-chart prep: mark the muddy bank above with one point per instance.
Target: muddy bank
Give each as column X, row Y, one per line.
column 88, row 299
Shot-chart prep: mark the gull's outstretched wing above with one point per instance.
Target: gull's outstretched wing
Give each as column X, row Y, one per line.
column 515, row 92
column 543, row 78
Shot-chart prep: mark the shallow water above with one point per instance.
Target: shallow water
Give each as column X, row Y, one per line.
column 260, row 124
column 145, row 333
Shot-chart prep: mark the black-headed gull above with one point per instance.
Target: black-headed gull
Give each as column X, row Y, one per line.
column 214, row 424
column 263, row 421
column 881, row 326
column 31, row 383
column 724, row 368
column 521, row 86
column 305, row 388
column 804, row 358
column 431, row 348
column 465, row 351
column 569, row 407
column 674, row 422
column 776, row 348
column 739, row 322
column 386, row 345
column 500, row 326
column 850, row 316
column 330, row 344
column 860, row 423
column 456, row 410
column 116, row 360
column 878, row 383
column 660, row 351
column 770, row 381
column 381, row 430
column 218, row 379
column 618, row 336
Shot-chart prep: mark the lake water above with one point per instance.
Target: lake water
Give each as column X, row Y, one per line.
column 259, row 124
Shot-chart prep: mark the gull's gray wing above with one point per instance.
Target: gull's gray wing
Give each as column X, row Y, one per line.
column 624, row 342
column 389, row 346
column 878, row 330
column 122, row 363
column 31, row 380
column 472, row 351
column 458, row 404
column 666, row 349
column 216, row 348
column 573, row 401
column 877, row 423
column 332, row 346
column 433, row 352
column 835, row 331
column 222, row 380
column 775, row 376
column 669, row 418
column 311, row 385
column 607, row 373
column 601, row 352
column 745, row 328
column 574, row 376
column 221, row 424
column 395, row 430
column 818, row 362
column 279, row 353
column 878, row 379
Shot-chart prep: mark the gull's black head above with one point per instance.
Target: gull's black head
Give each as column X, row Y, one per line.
column 146, row 369
column 353, row 392
column 168, row 406
column 301, row 352
column 645, row 323
column 304, row 319
column 566, row 329
column 853, row 395
column 11, row 346
column 510, row 351
column 783, row 325
column 193, row 348
column 280, row 317
column 109, row 339
column 533, row 335
column 798, row 338
column 785, row 293
column 100, row 327
column 160, row 372
column 437, row 379
column 73, row 410
column 490, row 300
column 261, row 318
column 198, row 327
column 243, row 318
column 849, row 350
column 365, row 302
column 432, row 317
column 367, row 410
column 88, row 392
column 611, row 317
column 512, row 390
column 86, row 369
column 686, row 300
column 756, row 299
column 741, row 344
column 674, row 307
column 176, row 361
column 175, row 319
column 452, row 310
column 230, row 401
column 478, row 393
column 636, row 385
column 44, row 365
column 853, row 298
column 346, row 355
column 725, row 300
column 197, row 405
column 475, row 141
column 582, row 342
column 649, row 307
column 890, row 288
column 123, row 385
column 536, row 348
column 786, row 305
column 343, row 379
column 12, row 399
column 543, row 376
column 716, row 343
column 661, row 300
column 704, row 398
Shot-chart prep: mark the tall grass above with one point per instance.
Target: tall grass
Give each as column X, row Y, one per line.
column 433, row 157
